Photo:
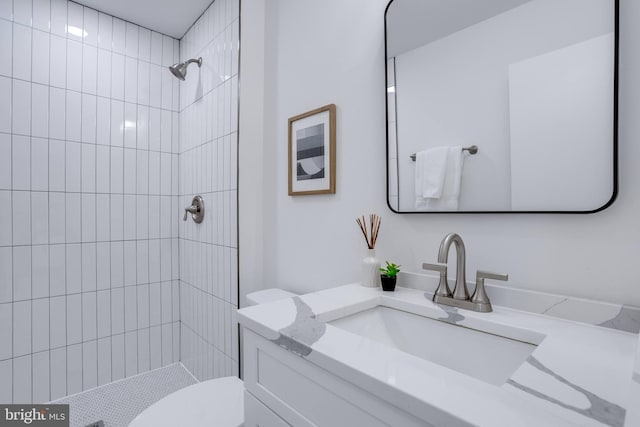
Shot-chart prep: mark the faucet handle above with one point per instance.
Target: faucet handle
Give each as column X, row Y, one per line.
column 480, row 296
column 443, row 287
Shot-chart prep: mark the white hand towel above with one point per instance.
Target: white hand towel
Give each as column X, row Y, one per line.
column 431, row 166
column 448, row 200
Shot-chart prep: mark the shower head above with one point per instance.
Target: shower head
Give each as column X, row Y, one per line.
column 180, row 69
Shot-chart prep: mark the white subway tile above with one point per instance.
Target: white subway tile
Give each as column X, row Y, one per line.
column 41, row 377
column 144, row 362
column 89, row 69
column 131, row 40
column 155, row 304
column 40, row 272
column 117, row 76
column 6, row 12
column 58, row 64
column 131, row 80
column 89, row 318
column 103, row 161
column 75, row 24
column 166, row 123
column 74, row 369
column 103, row 125
column 73, row 167
column 130, row 124
column 143, row 306
column 40, row 311
column 21, row 218
column 5, row 163
column 130, row 202
column 155, row 83
column 40, row 66
column 155, row 129
column 6, row 48
column 41, row 14
column 22, row 372
column 21, row 107
column 105, row 31
column 5, row 104
column 58, row 326
column 103, row 212
column 119, row 36
column 88, row 166
column 89, row 217
column 156, row 48
column 104, row 361
column 58, row 371
column 117, row 357
column 5, row 218
column 74, row 319
column 155, row 347
column 21, row 162
column 89, row 119
column 153, row 217
column 21, row 52
column 89, row 365
column 166, row 90
column 89, row 268
column 57, row 109
column 117, row 123
column 117, row 170
column 167, row 344
column 74, row 65
column 40, row 110
column 154, row 172
column 103, row 84
column 39, row 164
column 103, row 267
column 73, row 218
column 74, row 269
column 57, row 274
column 131, row 353
column 6, row 318
column 21, row 328
column 130, row 307
column 130, row 264
column 142, row 263
column 91, row 26
column 39, row 218
column 103, row 313
column 57, row 169
column 142, row 128
column 144, row 44
column 117, row 268
column 117, row 217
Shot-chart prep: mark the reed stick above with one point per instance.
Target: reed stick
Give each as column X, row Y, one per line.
column 370, row 231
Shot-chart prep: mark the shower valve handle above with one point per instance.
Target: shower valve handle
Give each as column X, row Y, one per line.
column 196, row 210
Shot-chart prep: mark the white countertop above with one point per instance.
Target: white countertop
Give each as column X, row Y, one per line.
column 579, row 374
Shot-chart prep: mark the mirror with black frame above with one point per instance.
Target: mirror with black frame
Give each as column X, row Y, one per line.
column 501, row 105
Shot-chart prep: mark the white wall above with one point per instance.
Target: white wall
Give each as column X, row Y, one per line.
column 455, row 91
column 333, row 52
column 88, row 182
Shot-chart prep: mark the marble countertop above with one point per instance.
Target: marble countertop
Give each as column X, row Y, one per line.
column 579, row 374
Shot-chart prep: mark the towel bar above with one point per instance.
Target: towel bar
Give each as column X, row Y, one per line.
column 472, row 150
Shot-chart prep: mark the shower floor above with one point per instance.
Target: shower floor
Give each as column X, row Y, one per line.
column 118, row 403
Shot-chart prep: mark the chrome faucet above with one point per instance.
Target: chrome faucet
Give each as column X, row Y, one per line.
column 479, row 301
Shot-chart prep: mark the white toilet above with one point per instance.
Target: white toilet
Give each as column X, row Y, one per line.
column 218, row 402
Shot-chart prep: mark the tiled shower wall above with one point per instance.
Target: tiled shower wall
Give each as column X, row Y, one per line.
column 89, row 289
column 208, row 166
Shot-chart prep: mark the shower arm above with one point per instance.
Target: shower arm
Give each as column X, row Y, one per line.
column 197, row 61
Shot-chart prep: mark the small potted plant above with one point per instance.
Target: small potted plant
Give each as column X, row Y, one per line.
column 389, row 276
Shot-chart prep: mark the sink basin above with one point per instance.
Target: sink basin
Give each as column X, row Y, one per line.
column 487, row 357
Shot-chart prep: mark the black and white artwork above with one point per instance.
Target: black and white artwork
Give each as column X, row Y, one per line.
column 310, row 153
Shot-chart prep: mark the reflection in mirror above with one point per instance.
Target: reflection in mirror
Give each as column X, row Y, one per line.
column 529, row 83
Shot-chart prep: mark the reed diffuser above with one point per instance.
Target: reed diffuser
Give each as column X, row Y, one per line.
column 370, row 264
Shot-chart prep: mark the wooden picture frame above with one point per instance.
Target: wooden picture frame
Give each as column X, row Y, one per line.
column 312, row 152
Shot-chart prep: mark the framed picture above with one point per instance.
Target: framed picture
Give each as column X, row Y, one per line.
column 312, row 152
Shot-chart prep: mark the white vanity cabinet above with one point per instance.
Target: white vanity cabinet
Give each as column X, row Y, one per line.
column 284, row 389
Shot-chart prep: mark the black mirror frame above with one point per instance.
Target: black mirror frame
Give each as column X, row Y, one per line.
column 614, row 194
